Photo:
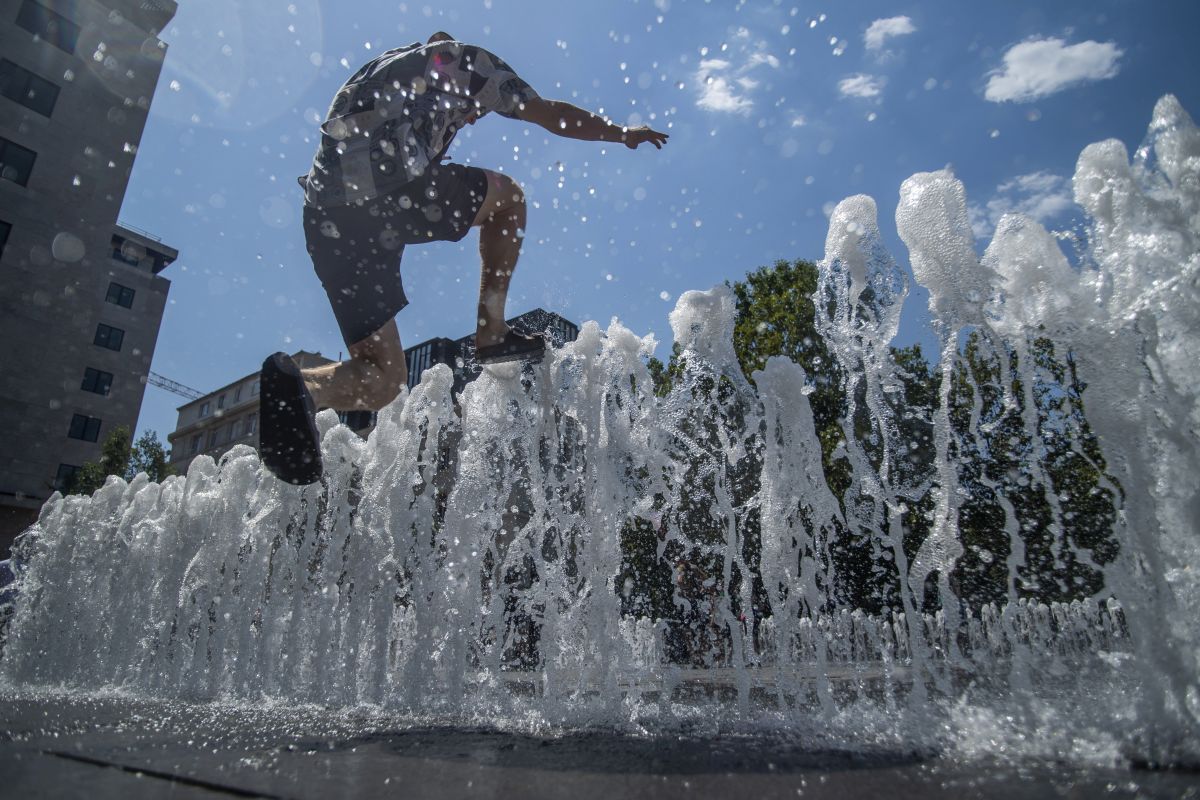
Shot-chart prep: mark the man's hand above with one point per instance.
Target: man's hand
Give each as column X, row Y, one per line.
column 643, row 133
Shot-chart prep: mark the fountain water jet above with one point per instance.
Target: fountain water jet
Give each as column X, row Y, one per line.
column 482, row 562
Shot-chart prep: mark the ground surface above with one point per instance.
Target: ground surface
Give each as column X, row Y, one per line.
column 63, row 747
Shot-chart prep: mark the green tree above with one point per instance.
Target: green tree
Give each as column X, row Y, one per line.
column 119, row 457
column 1037, row 509
column 1032, row 476
column 1068, row 559
column 149, row 456
column 114, row 460
column 776, row 316
column 666, row 375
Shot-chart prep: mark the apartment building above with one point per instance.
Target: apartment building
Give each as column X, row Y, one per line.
column 213, row 424
column 81, row 295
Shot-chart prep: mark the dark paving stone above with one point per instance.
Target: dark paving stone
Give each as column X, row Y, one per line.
column 61, row 746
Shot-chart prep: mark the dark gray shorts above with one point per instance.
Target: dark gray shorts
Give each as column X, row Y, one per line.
column 356, row 248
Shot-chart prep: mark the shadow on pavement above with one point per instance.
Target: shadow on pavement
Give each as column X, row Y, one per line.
column 614, row 752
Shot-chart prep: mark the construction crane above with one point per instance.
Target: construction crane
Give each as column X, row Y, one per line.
column 154, row 379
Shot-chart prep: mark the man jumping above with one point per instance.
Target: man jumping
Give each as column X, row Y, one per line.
column 378, row 182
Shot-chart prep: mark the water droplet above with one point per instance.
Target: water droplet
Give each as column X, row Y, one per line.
column 67, row 247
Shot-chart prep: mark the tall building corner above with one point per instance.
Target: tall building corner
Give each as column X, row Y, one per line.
column 81, row 293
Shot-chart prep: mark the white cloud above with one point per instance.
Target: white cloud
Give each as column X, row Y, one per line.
column 724, row 84
column 717, row 91
column 860, row 85
column 1040, row 67
column 881, row 30
column 761, row 57
column 1041, row 195
column 798, row 121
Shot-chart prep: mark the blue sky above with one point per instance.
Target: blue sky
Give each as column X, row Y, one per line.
column 776, row 111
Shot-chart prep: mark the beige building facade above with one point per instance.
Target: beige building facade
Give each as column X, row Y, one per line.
column 213, row 424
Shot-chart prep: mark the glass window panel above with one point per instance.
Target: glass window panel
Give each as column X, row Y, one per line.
column 120, row 295
column 16, row 162
column 48, row 26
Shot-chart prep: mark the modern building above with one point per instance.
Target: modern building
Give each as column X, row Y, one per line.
column 212, row 424
column 459, row 354
column 81, row 295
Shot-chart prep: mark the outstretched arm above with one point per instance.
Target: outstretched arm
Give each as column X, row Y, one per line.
column 574, row 122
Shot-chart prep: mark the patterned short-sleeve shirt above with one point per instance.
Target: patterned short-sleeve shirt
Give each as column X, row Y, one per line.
column 398, row 114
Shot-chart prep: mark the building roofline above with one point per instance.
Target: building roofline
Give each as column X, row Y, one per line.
column 233, row 383
column 149, row 241
column 299, row 353
column 152, row 16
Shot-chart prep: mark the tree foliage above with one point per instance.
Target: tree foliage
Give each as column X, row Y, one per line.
column 119, row 455
column 1037, row 511
column 149, row 456
column 1037, row 492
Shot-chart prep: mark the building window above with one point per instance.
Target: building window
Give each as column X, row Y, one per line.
column 110, row 337
column 196, row 443
column 204, row 409
column 65, row 477
column 22, row 86
column 251, row 425
column 5, row 230
column 127, row 252
column 16, row 162
column 419, row 359
column 120, row 295
column 97, row 381
column 237, row 394
column 357, row 420
column 85, row 428
column 45, row 24
column 221, row 401
column 212, row 438
column 254, row 389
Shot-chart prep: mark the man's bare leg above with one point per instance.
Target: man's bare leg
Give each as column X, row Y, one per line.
column 501, row 222
column 369, row 380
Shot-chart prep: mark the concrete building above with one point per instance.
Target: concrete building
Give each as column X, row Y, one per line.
column 211, row 425
column 81, row 296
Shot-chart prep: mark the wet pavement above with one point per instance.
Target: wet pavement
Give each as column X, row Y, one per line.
column 65, row 746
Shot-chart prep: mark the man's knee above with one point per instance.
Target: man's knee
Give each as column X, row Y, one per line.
column 381, row 366
column 381, row 382
column 503, row 195
column 394, row 378
column 513, row 192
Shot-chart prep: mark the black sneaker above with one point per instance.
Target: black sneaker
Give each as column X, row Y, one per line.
column 288, row 440
column 515, row 347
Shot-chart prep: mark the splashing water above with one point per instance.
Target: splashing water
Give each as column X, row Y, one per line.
column 562, row 546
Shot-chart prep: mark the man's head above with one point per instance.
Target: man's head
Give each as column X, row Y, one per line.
column 440, row 36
